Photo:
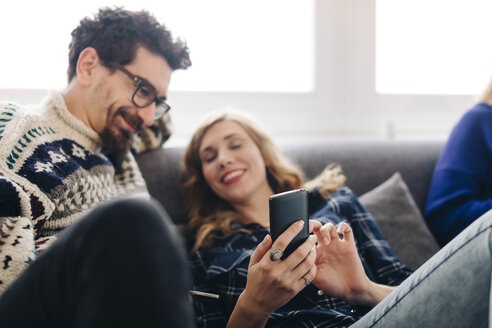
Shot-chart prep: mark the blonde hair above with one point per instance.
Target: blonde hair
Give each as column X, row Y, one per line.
column 487, row 94
column 208, row 213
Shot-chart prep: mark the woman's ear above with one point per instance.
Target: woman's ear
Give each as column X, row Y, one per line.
column 86, row 65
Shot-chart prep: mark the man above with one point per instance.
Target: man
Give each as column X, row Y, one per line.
column 67, row 164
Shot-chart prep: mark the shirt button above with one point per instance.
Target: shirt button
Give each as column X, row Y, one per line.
column 320, row 292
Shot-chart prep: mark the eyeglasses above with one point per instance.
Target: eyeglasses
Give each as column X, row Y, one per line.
column 144, row 93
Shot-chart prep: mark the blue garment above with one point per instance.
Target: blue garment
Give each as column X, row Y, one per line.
column 222, row 269
column 461, row 188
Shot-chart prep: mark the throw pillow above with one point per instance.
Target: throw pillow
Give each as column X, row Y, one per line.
column 396, row 212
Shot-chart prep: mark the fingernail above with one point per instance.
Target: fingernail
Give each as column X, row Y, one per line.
column 326, row 241
column 301, row 223
column 266, row 238
column 313, row 238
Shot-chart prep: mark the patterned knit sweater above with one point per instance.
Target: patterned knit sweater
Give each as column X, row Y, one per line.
column 52, row 171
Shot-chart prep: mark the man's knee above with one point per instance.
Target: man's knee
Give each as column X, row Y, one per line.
column 129, row 220
column 130, row 212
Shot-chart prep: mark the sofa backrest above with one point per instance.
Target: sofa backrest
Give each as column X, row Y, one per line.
column 366, row 164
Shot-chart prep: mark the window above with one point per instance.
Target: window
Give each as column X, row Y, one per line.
column 236, row 46
column 319, row 69
column 433, row 47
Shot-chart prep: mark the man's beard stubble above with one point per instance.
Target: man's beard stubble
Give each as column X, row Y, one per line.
column 117, row 141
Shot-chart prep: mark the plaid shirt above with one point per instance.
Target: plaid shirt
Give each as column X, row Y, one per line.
column 223, row 268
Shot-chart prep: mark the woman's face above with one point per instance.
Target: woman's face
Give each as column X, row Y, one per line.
column 232, row 163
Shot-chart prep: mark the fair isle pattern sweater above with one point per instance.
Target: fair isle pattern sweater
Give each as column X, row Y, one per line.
column 52, row 171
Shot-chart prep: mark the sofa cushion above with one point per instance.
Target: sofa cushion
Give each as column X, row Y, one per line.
column 161, row 169
column 396, row 212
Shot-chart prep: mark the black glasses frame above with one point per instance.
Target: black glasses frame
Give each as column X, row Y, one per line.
column 161, row 107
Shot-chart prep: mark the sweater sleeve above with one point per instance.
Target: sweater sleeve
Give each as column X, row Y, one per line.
column 461, row 187
column 16, row 233
column 154, row 136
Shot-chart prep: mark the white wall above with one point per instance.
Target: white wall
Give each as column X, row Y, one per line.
column 344, row 103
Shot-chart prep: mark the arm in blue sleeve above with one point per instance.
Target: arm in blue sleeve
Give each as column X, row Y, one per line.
column 461, row 187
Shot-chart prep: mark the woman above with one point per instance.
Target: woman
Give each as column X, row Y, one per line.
column 461, row 188
column 233, row 169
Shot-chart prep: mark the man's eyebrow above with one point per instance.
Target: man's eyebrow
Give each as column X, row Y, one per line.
column 144, row 80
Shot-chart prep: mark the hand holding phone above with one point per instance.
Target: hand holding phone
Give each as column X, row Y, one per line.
column 286, row 208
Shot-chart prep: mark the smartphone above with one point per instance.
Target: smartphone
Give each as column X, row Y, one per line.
column 286, row 208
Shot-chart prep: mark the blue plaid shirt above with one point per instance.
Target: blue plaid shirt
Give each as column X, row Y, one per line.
column 223, row 268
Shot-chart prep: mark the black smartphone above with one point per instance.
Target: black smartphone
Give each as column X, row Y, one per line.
column 286, row 208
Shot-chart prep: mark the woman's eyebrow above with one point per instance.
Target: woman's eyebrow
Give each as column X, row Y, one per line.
column 205, row 150
column 227, row 137
column 232, row 135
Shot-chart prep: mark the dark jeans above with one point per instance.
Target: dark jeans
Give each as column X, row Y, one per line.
column 120, row 266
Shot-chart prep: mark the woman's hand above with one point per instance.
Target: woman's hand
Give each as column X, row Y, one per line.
column 340, row 272
column 271, row 284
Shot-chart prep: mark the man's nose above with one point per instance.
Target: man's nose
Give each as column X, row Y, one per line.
column 146, row 114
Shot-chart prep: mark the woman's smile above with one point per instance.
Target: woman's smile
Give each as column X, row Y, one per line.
column 233, row 176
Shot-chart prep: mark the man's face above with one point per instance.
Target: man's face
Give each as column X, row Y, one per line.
column 113, row 114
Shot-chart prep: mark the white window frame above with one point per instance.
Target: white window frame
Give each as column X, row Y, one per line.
column 344, row 102
column 408, row 115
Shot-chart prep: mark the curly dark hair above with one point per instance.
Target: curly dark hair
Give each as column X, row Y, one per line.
column 116, row 34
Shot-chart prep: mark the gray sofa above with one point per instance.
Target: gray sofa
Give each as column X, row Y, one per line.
column 396, row 204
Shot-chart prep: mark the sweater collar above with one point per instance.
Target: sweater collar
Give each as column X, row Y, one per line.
column 70, row 124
